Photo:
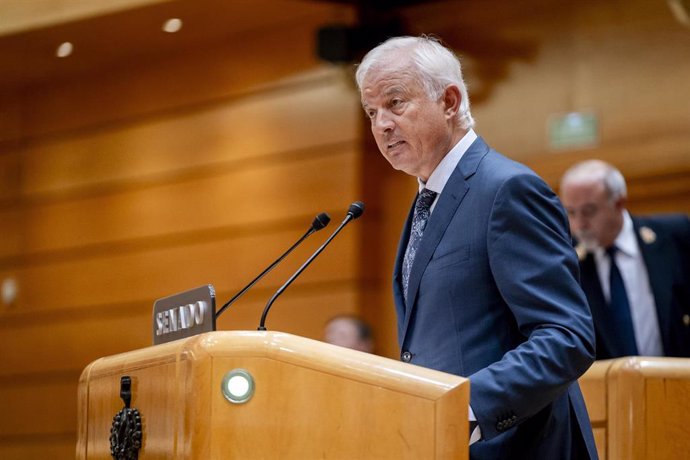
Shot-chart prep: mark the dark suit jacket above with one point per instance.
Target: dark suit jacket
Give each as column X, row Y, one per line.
column 665, row 245
column 493, row 295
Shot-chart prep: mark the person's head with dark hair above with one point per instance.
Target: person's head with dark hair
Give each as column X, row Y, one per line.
column 349, row 331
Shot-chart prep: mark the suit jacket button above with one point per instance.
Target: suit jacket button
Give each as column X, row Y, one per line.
column 686, row 319
column 406, row 357
column 500, row 426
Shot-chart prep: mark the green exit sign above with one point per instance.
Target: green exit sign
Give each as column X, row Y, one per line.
column 574, row 130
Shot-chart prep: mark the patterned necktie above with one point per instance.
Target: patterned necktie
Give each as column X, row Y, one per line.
column 422, row 210
column 620, row 309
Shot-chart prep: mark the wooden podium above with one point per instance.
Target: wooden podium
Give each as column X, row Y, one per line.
column 639, row 407
column 310, row 400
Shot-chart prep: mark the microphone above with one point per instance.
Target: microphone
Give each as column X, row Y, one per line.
column 319, row 222
column 355, row 210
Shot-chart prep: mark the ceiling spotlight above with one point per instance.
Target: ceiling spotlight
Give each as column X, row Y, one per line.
column 64, row 50
column 172, row 25
column 681, row 10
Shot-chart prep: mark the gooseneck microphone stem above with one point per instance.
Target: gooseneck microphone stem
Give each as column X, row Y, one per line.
column 320, row 222
column 262, row 327
column 263, row 273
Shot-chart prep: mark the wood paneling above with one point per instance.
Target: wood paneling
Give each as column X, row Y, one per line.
column 124, row 185
column 240, row 197
column 119, row 176
column 42, row 406
column 185, row 76
column 107, row 44
column 594, row 389
column 137, row 272
column 638, row 407
column 648, row 403
column 286, row 119
column 19, row 16
column 39, row 447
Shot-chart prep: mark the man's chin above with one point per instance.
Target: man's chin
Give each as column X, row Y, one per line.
column 403, row 167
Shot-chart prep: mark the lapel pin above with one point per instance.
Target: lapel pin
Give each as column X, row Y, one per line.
column 647, row 235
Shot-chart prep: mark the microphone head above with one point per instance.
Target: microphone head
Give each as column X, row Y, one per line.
column 356, row 209
column 320, row 221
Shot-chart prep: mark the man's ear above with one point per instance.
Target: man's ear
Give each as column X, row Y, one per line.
column 451, row 101
column 620, row 203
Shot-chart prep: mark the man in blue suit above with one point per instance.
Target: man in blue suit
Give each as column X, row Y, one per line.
column 652, row 255
column 485, row 280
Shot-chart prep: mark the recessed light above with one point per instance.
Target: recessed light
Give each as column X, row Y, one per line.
column 9, row 291
column 238, row 386
column 64, row 50
column 172, row 25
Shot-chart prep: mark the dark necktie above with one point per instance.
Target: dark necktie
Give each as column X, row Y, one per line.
column 420, row 217
column 621, row 318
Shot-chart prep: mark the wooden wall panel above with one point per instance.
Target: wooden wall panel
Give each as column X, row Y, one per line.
column 235, row 197
column 226, row 134
column 181, row 79
column 49, row 401
column 128, row 185
column 18, row 16
column 658, row 182
column 118, row 187
column 141, row 274
column 40, row 448
column 11, row 112
column 12, row 235
column 9, row 175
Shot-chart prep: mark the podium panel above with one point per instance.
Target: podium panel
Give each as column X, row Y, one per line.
column 594, row 389
column 310, row 400
column 649, row 403
column 638, row 407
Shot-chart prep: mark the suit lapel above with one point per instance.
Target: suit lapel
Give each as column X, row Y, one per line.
column 656, row 260
column 448, row 202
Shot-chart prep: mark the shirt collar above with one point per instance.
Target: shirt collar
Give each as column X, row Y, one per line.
column 626, row 241
column 440, row 175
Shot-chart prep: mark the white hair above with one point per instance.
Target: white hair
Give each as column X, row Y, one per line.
column 436, row 66
column 592, row 171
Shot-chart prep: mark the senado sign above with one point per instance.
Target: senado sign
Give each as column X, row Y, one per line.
column 184, row 315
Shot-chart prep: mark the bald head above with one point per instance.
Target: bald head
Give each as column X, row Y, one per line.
column 350, row 332
column 594, row 194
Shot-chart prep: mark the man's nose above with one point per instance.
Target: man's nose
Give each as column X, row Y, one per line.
column 577, row 222
column 383, row 122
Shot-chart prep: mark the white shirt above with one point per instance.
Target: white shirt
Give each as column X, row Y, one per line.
column 636, row 279
column 439, row 177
